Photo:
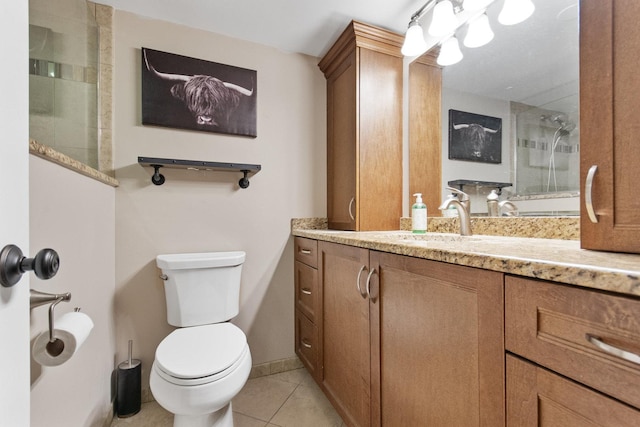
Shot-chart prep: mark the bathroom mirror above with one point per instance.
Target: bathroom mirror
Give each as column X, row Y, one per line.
column 528, row 76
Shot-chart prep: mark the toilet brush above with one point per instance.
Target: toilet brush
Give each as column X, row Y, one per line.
column 128, row 395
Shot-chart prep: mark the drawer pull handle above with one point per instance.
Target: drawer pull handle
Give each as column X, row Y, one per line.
column 305, row 291
column 305, row 251
column 615, row 351
column 363, row 268
column 305, row 344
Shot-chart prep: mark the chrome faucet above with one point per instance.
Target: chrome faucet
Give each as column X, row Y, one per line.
column 463, row 206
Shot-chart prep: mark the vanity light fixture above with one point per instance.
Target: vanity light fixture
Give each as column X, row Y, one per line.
column 414, row 42
column 450, row 52
column 479, row 31
column 515, row 11
column 447, row 18
column 444, row 19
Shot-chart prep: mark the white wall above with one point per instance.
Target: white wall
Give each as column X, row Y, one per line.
column 206, row 211
column 75, row 216
column 458, row 169
column 14, row 213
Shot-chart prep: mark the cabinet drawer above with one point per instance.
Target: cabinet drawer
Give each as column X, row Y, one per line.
column 306, row 251
column 550, row 324
column 539, row 398
column 306, row 280
column 307, row 342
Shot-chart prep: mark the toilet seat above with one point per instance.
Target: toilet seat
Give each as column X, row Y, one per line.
column 200, row 354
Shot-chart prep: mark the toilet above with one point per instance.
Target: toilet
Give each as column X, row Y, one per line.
column 202, row 365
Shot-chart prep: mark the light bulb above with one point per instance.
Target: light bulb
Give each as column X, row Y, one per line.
column 515, row 11
column 449, row 52
column 479, row 32
column 443, row 21
column 414, row 43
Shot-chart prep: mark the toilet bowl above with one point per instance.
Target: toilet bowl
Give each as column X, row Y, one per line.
column 201, row 366
column 198, row 370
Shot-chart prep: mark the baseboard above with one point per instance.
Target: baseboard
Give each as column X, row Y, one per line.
column 275, row 367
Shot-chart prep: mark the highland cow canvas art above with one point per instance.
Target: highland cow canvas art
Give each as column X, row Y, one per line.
column 189, row 93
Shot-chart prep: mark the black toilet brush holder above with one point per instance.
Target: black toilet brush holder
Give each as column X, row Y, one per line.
column 129, row 393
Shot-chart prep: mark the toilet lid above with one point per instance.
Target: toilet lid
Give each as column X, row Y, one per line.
column 200, row 351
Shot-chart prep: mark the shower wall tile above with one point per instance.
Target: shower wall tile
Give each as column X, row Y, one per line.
column 41, row 95
column 76, row 102
column 41, row 128
column 104, row 15
column 72, row 9
column 106, row 46
column 105, row 151
column 105, row 98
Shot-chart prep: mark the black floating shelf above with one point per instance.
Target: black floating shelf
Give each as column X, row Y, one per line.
column 462, row 182
column 158, row 179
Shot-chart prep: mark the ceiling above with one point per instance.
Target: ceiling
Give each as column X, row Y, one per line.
column 522, row 63
column 301, row 26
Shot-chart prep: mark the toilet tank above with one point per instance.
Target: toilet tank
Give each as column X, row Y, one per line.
column 201, row 288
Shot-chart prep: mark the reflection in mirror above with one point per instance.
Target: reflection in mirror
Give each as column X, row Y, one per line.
column 528, row 77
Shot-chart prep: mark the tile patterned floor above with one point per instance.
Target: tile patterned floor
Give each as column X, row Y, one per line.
column 287, row 399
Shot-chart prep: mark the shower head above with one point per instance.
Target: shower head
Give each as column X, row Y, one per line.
column 565, row 125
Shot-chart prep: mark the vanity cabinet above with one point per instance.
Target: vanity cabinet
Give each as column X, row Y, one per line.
column 364, row 129
column 572, row 373
column 307, row 303
column 406, row 341
column 609, row 104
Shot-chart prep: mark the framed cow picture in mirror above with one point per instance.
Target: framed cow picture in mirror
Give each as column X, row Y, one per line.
column 474, row 137
column 189, row 93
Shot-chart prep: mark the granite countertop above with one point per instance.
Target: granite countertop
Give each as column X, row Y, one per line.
column 550, row 259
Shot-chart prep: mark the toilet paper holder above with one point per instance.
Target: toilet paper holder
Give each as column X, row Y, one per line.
column 37, row 299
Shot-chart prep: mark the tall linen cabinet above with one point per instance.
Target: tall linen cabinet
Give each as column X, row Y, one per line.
column 364, row 129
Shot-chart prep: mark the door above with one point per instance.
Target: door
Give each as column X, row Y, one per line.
column 344, row 334
column 609, row 102
column 438, row 352
column 14, row 210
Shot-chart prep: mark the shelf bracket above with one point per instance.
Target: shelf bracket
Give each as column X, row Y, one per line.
column 157, row 178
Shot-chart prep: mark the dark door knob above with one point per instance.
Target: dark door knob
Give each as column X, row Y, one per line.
column 13, row 264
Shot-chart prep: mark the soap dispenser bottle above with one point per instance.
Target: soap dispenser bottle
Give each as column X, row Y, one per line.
column 492, row 203
column 419, row 215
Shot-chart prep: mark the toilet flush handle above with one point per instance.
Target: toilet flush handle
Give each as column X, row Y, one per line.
column 164, row 277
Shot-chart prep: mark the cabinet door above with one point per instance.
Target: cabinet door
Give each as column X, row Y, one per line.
column 609, row 128
column 539, row 398
column 341, row 145
column 345, row 332
column 438, row 353
column 379, row 179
